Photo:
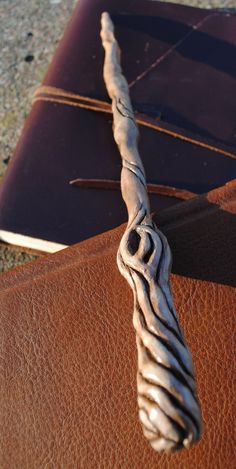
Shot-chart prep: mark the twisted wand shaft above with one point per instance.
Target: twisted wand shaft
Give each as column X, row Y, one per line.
column 167, row 401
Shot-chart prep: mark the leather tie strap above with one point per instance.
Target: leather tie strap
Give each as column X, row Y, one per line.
column 52, row 94
column 168, row 191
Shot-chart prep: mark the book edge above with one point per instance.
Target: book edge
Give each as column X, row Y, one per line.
column 30, row 242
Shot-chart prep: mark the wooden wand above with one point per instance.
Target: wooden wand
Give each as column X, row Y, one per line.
column 167, row 401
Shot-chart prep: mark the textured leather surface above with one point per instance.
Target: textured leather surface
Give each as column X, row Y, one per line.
column 193, row 50
column 68, row 354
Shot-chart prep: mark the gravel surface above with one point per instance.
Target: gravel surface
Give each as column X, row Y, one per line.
column 29, row 33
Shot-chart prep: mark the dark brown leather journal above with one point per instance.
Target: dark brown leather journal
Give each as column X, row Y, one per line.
column 179, row 62
column 68, row 353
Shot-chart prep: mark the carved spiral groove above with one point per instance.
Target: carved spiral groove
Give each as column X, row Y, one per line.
column 168, row 406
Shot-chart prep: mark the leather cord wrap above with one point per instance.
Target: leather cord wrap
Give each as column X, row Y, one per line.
column 54, row 95
column 110, row 184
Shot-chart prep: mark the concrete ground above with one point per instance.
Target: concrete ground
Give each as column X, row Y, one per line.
column 29, row 33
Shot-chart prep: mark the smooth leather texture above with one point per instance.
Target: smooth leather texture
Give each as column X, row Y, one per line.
column 68, row 353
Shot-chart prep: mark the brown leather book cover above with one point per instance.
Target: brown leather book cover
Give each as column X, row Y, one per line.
column 68, row 353
column 179, row 64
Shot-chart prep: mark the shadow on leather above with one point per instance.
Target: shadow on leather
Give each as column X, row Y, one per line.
column 202, row 237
